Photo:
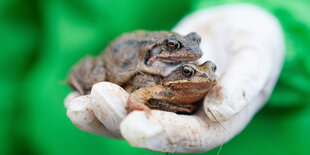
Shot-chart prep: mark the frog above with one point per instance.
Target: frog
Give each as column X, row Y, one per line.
column 179, row 92
column 150, row 52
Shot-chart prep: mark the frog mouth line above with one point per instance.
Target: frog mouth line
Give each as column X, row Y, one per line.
column 188, row 84
column 172, row 60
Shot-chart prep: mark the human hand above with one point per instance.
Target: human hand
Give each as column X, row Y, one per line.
column 247, row 45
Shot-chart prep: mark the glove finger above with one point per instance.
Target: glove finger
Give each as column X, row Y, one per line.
column 82, row 116
column 69, row 98
column 108, row 102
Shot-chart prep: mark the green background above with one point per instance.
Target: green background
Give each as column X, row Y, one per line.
column 41, row 39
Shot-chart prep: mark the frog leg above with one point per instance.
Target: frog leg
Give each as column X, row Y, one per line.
column 166, row 106
column 74, row 84
column 139, row 98
column 97, row 73
column 78, row 78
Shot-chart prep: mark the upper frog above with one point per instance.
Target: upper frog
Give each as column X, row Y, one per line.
column 177, row 92
column 151, row 52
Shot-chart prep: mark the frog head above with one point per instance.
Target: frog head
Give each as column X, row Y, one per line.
column 190, row 76
column 172, row 48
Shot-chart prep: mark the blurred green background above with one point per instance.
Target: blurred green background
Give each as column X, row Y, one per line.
column 41, row 39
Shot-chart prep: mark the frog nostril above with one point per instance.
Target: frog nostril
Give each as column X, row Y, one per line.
column 198, row 40
column 213, row 68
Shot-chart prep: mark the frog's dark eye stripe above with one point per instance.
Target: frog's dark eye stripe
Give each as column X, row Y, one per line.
column 147, row 56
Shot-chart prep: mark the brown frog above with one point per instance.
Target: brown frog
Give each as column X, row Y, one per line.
column 178, row 92
column 151, row 52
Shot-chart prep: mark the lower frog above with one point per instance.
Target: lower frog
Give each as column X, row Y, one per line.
column 178, row 92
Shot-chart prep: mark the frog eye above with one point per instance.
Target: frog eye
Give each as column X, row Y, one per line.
column 188, row 71
column 173, row 44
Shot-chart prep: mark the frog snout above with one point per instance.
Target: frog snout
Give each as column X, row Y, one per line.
column 194, row 52
column 194, row 37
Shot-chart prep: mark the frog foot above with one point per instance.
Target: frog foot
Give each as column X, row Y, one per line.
column 134, row 105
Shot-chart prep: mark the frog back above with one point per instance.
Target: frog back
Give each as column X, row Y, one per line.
column 124, row 57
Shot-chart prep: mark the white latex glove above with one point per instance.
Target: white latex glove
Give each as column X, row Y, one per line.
column 247, row 45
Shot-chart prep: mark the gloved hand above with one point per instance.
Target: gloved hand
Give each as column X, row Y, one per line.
column 247, row 45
